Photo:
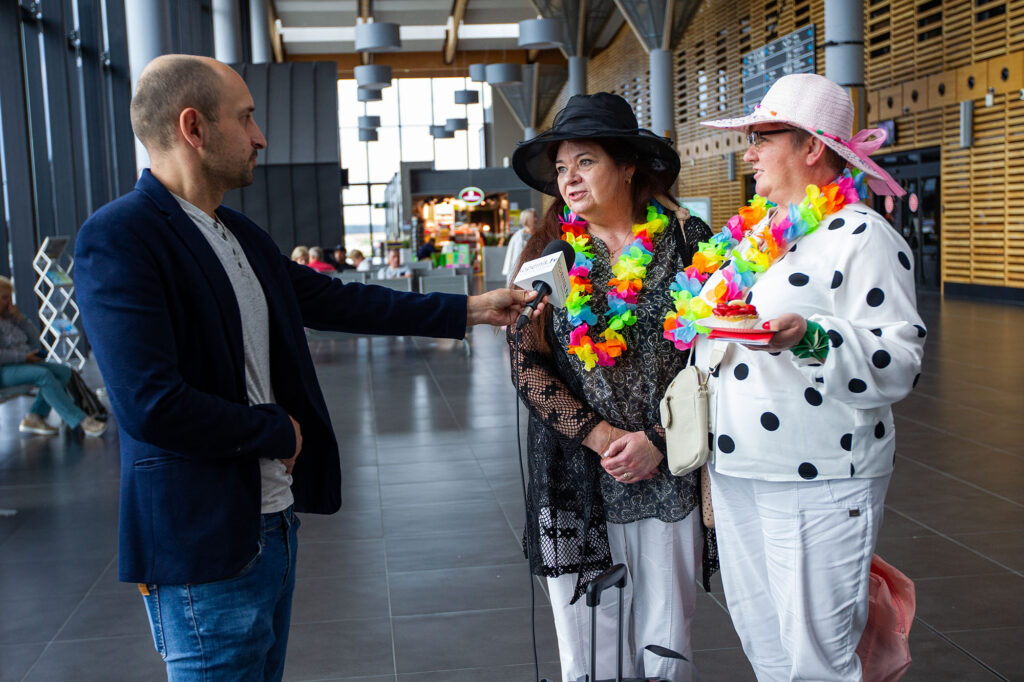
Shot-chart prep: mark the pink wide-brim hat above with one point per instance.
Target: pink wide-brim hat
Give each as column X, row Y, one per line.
column 822, row 108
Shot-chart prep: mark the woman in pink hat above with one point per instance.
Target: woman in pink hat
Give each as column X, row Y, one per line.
column 802, row 427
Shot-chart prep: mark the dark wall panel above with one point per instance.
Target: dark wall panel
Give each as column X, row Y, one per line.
column 296, row 194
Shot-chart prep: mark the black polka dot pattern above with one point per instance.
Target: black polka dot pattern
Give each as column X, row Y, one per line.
column 876, row 332
column 775, row 353
column 881, row 359
column 875, row 297
column 851, row 469
column 799, row 279
column 792, row 249
column 921, row 332
column 879, row 430
column 812, row 397
column 836, row 224
column 857, row 386
column 835, row 337
column 741, row 371
column 837, row 280
column 916, row 379
column 904, row 260
column 846, row 442
column 860, row 228
column 807, row 471
column 711, row 441
column 750, row 296
column 726, row 444
column 769, row 421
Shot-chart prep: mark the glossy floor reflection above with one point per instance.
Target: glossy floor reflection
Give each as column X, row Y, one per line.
column 420, row 576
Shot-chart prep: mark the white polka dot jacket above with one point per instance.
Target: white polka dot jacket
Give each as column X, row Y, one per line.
column 570, row 497
column 776, row 417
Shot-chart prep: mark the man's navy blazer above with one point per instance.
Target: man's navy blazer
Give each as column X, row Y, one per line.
column 164, row 323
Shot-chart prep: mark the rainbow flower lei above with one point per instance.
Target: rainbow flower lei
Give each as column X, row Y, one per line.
column 627, row 281
column 732, row 260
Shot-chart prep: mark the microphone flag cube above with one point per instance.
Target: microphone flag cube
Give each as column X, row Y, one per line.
column 549, row 269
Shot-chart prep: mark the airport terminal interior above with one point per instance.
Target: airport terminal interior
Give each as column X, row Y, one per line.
column 381, row 139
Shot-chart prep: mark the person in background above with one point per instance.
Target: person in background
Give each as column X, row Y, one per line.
column 359, row 261
column 317, row 262
column 20, row 363
column 427, row 251
column 300, row 255
column 518, row 240
column 803, row 427
column 394, row 269
column 340, row 261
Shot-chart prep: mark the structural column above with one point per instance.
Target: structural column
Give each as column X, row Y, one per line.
column 149, row 36
column 259, row 25
column 577, row 76
column 844, row 49
column 227, row 31
column 661, row 93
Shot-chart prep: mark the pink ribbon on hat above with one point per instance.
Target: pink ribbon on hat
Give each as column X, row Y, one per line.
column 864, row 144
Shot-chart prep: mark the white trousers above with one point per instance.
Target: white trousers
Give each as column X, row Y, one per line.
column 662, row 560
column 795, row 559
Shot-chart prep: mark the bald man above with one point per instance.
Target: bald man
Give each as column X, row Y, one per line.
column 197, row 323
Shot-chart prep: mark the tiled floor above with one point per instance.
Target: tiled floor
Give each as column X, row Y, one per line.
column 420, row 577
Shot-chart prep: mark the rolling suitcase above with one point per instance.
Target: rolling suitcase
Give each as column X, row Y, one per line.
column 615, row 577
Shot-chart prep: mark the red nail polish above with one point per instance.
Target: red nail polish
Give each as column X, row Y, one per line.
column 766, row 325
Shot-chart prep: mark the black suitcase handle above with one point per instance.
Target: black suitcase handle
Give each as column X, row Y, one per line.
column 613, row 577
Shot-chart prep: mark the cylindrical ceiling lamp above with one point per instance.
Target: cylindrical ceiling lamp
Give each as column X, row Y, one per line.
column 478, row 73
column 441, row 131
column 369, row 121
column 467, row 96
column 373, row 75
column 368, row 95
column 367, row 135
column 540, row 34
column 454, row 124
column 377, row 36
column 503, row 74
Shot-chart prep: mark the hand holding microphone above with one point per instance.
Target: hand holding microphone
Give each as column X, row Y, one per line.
column 548, row 276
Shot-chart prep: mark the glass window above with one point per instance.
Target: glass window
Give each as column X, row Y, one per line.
column 386, row 108
column 356, row 194
column 377, row 193
column 417, row 144
column 348, row 107
column 384, row 155
column 416, row 106
column 450, row 154
column 353, row 155
column 444, row 99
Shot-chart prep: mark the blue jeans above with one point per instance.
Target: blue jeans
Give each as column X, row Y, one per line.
column 232, row 629
column 51, row 379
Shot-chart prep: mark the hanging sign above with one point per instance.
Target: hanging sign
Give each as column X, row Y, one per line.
column 471, row 195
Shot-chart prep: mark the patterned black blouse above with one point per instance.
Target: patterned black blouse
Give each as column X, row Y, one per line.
column 570, row 497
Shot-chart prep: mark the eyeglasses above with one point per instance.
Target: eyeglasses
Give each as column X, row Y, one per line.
column 755, row 138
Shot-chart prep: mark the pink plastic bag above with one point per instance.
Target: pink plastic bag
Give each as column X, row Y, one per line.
column 884, row 648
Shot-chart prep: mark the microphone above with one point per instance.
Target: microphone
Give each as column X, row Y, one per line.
column 548, row 276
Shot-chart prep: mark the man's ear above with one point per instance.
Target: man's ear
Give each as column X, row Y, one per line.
column 191, row 125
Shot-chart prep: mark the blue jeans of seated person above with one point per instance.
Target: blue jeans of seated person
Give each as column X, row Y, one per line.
column 51, row 379
column 232, row 629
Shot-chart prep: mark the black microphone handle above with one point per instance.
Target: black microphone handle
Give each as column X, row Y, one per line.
column 543, row 289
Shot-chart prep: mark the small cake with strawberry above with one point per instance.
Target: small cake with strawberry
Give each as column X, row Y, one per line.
column 735, row 315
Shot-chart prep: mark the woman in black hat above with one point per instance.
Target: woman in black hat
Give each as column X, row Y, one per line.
column 593, row 375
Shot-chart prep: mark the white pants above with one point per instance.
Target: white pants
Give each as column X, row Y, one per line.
column 795, row 558
column 662, row 560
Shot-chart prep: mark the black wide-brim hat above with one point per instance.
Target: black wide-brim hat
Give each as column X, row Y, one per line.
column 598, row 116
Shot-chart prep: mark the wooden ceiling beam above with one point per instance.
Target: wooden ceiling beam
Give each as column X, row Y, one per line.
column 451, row 39
column 430, row 64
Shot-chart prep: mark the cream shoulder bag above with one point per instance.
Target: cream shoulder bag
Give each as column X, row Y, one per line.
column 684, row 414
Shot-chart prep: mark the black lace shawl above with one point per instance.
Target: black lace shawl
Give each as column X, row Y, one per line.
column 570, row 497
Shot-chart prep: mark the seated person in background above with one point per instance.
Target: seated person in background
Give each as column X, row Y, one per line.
column 427, row 250
column 359, row 261
column 317, row 262
column 20, row 363
column 394, row 269
column 300, row 254
column 340, row 261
